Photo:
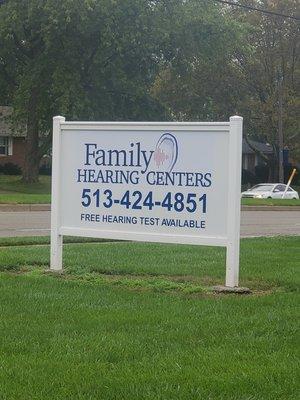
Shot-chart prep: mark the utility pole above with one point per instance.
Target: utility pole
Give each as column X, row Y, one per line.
column 280, row 131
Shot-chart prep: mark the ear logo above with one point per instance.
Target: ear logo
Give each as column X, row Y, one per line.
column 166, row 152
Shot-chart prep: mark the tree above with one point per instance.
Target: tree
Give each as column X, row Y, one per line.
column 271, row 74
column 78, row 58
column 255, row 69
column 200, row 81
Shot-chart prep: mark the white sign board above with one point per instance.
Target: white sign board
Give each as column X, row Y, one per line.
column 156, row 182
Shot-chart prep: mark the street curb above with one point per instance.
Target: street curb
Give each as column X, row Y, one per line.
column 24, row 207
column 270, row 208
column 47, row 207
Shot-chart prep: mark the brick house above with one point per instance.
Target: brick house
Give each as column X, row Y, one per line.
column 12, row 143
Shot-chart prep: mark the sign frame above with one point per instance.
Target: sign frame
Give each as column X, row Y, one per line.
column 232, row 239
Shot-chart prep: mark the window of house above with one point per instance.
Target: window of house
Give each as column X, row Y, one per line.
column 5, row 146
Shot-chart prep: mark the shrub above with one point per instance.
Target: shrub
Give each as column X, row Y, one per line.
column 45, row 169
column 262, row 173
column 11, row 169
column 248, row 177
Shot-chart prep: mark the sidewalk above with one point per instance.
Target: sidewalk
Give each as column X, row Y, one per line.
column 47, row 207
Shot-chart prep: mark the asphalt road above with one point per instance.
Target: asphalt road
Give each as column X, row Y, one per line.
column 254, row 223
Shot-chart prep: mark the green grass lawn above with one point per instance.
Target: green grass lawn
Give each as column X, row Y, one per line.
column 270, row 202
column 22, row 198
column 14, row 191
column 136, row 321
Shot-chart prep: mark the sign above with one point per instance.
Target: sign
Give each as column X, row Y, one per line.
column 156, row 182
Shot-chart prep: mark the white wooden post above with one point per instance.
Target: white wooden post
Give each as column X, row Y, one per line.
column 56, row 238
column 234, row 202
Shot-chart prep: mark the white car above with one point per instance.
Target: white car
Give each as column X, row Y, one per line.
column 270, row 191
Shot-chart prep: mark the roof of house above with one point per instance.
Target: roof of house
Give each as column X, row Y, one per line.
column 264, row 148
column 6, row 128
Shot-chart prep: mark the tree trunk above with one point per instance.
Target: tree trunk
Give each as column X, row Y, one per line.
column 32, row 161
column 273, row 171
column 280, row 133
column 32, row 157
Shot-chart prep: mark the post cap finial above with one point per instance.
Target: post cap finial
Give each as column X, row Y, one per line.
column 59, row 117
column 235, row 117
